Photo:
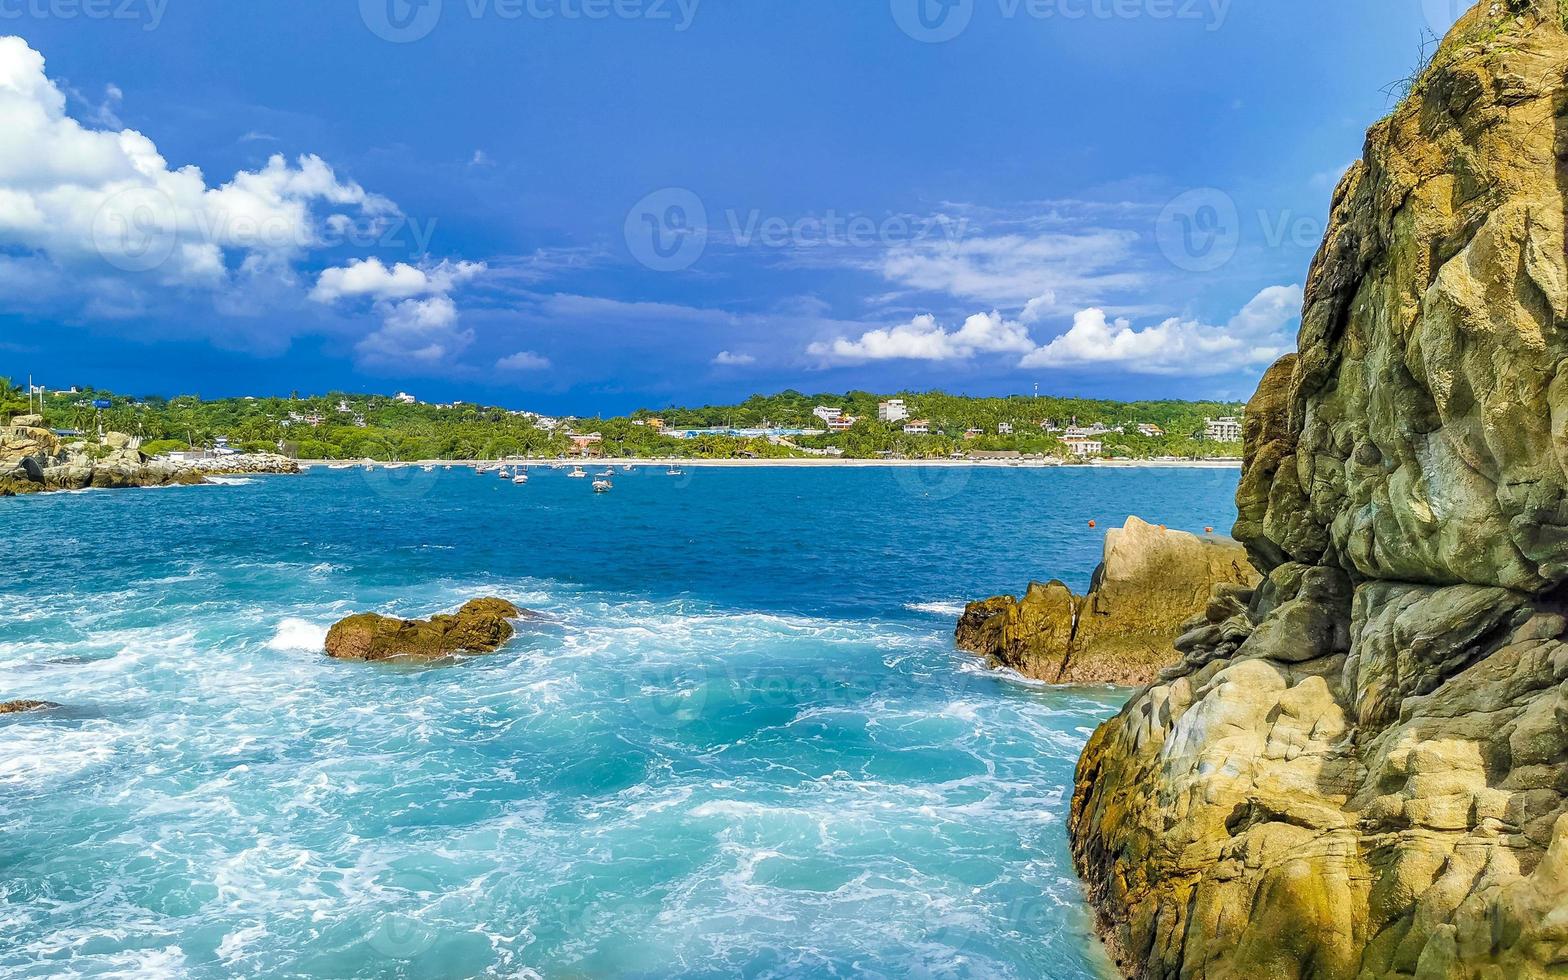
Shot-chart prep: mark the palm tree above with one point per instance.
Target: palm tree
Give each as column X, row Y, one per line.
column 11, row 402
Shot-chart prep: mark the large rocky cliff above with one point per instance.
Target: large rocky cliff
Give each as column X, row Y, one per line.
column 1363, row 772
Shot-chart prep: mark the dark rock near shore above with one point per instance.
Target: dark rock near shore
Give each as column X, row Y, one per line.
column 32, row 460
column 481, row 626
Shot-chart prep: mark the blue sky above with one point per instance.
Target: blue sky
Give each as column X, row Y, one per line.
column 595, row 205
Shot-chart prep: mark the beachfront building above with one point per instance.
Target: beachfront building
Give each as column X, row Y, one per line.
column 221, row 447
column 842, row 423
column 1083, row 446
column 973, row 433
column 586, row 444
column 892, row 411
column 1222, row 430
column 1152, row 431
column 917, row 427
column 1004, row 428
column 828, row 415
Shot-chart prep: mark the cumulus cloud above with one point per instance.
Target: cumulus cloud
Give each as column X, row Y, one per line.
column 730, row 359
column 1253, row 338
column 106, row 200
column 924, row 339
column 524, row 361
column 419, row 318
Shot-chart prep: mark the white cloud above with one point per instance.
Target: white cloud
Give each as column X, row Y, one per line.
column 1016, row 268
column 1253, row 338
column 524, row 361
column 729, row 359
column 106, row 200
column 923, row 339
column 419, row 319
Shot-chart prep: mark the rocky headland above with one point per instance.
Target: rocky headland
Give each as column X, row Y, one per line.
column 481, row 626
column 1151, row 582
column 20, row 707
column 1362, row 770
column 34, row 460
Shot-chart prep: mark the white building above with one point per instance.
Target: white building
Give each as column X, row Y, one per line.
column 1152, row 431
column 1004, row 428
column 917, row 427
column 841, row 422
column 1223, row 430
column 828, row 415
column 893, row 411
column 405, row 398
column 1084, row 446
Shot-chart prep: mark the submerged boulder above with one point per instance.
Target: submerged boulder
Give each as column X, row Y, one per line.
column 1151, row 582
column 1360, row 770
column 481, row 626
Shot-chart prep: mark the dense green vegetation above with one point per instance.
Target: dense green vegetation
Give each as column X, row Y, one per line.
column 342, row 426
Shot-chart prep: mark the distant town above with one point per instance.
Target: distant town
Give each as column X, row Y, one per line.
column 854, row 425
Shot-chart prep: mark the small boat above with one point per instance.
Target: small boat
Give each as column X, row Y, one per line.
column 504, row 473
column 557, row 466
column 369, row 465
column 521, row 477
column 578, row 473
column 627, row 468
column 449, row 467
column 602, row 486
column 609, row 472
column 341, row 466
column 431, row 469
column 675, row 471
column 395, row 466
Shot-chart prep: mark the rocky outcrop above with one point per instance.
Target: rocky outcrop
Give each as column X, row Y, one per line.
column 33, row 460
column 1361, row 770
column 481, row 626
column 18, row 707
column 1150, row 583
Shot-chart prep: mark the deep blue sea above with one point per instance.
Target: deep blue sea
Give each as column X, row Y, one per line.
column 738, row 743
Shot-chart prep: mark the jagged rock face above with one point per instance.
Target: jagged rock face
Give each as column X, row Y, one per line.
column 1151, row 581
column 481, row 626
column 1362, row 770
column 32, row 460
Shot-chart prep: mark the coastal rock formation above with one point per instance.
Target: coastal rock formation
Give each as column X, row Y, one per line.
column 1361, row 769
column 1150, row 583
column 17, row 707
column 481, row 626
column 33, row 460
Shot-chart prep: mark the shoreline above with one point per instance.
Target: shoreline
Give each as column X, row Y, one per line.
column 589, row 464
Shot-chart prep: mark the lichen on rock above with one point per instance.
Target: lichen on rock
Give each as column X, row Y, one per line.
column 1362, row 770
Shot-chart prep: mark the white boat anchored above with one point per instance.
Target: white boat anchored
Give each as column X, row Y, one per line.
column 602, row 486
column 578, row 473
column 675, row 471
column 521, row 477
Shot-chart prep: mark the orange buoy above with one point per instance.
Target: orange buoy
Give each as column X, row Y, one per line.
column 1208, row 530
column 1093, row 524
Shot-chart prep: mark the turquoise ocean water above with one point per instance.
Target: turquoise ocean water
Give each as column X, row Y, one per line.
column 739, row 741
